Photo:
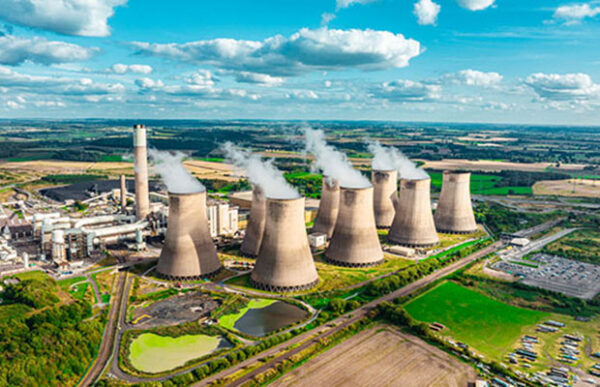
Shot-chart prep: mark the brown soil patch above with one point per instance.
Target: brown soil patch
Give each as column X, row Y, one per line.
column 381, row 357
column 568, row 187
column 486, row 165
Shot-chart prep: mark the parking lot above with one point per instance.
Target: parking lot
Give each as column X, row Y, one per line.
column 573, row 278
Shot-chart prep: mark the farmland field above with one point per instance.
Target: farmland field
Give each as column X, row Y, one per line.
column 484, row 185
column 488, row 325
column 381, row 357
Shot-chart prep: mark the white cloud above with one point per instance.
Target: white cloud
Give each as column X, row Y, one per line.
column 327, row 84
column 120, row 68
column 475, row 5
column 55, row 85
column 475, row 78
column 202, row 78
column 563, row 87
column 69, row 17
column 149, row 83
column 574, row 13
column 339, row 4
column 327, row 17
column 17, row 50
column 302, row 95
column 259, row 79
column 408, row 91
column 427, row 12
column 304, row 51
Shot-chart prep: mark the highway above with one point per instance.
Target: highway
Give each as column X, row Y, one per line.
column 108, row 338
column 340, row 323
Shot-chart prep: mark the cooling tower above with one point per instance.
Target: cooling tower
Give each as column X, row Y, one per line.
column 123, row 194
column 256, row 224
column 142, row 200
column 355, row 242
column 413, row 224
column 328, row 207
column 454, row 213
column 385, row 195
column 189, row 252
column 284, row 262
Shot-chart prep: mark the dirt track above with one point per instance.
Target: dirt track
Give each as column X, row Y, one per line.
column 381, row 357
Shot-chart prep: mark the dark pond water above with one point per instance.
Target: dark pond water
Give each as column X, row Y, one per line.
column 260, row 322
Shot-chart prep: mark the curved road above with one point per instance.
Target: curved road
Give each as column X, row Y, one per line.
column 108, row 337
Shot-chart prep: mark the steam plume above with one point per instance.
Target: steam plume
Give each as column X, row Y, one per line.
column 172, row 172
column 389, row 158
column 261, row 172
column 333, row 163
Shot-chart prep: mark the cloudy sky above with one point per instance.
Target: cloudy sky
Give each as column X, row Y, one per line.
column 506, row 61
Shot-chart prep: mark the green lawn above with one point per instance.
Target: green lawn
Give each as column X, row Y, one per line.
column 487, row 325
column 484, row 185
column 228, row 321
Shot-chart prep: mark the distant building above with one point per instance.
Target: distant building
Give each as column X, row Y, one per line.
column 317, row 240
column 222, row 218
column 520, row 242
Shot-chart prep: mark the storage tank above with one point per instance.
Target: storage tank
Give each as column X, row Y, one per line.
column 385, row 195
column 256, row 224
column 328, row 207
column 355, row 242
column 454, row 213
column 284, row 262
column 189, row 252
column 413, row 224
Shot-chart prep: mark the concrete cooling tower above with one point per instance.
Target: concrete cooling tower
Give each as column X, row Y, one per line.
column 454, row 212
column 328, row 207
column 413, row 224
column 256, row 224
column 189, row 252
column 385, row 195
column 355, row 242
column 284, row 262
column 140, row 155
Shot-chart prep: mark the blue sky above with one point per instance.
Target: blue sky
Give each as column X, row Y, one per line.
column 505, row 61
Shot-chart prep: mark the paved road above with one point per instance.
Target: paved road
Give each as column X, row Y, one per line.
column 106, row 347
column 538, row 244
column 340, row 322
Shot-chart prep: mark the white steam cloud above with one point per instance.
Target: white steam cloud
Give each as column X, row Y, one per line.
column 389, row 158
column 333, row 163
column 172, row 172
column 260, row 172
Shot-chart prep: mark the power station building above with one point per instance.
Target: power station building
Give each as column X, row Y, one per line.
column 355, row 242
column 328, row 207
column 413, row 224
column 454, row 213
column 188, row 252
column 284, row 262
column 256, row 224
column 385, row 195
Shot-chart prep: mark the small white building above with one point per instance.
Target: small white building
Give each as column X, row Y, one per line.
column 317, row 240
column 403, row 251
column 520, row 242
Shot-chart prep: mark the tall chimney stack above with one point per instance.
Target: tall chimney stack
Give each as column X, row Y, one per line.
column 284, row 262
column 140, row 153
column 189, row 252
column 385, row 195
column 123, row 194
column 328, row 207
column 355, row 242
column 454, row 213
column 256, row 224
column 413, row 224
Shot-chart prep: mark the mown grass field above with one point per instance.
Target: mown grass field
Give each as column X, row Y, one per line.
column 490, row 326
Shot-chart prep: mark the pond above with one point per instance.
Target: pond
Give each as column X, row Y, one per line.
column 152, row 353
column 262, row 316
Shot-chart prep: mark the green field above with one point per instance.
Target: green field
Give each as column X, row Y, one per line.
column 153, row 353
column 487, row 325
column 484, row 185
column 228, row 321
